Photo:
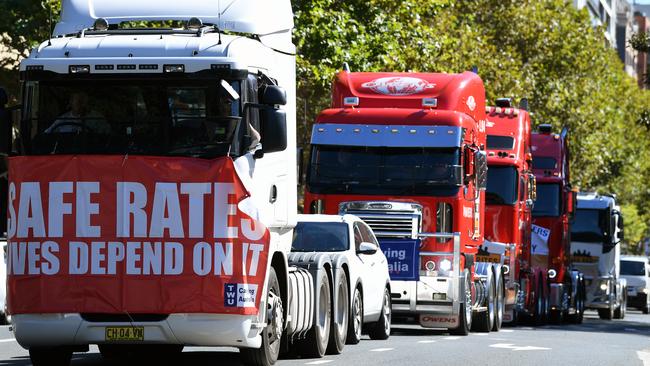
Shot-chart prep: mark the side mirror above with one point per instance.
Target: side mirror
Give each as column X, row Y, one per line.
column 529, row 203
column 273, row 95
column 480, row 160
column 367, row 248
column 621, row 227
column 274, row 129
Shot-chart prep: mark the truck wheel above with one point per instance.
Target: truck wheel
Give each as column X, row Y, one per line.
column 55, row 356
column 606, row 314
column 484, row 320
column 465, row 309
column 268, row 353
column 355, row 325
column 539, row 317
column 580, row 307
column 340, row 314
column 620, row 311
column 315, row 344
column 500, row 306
column 646, row 309
column 556, row 316
column 381, row 330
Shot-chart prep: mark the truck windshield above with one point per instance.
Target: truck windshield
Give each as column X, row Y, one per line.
column 501, row 185
column 385, row 170
column 145, row 117
column 632, row 268
column 320, row 237
column 548, row 200
column 541, row 162
column 589, row 225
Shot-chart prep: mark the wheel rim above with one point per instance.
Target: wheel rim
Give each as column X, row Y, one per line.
column 322, row 309
column 342, row 309
column 500, row 303
column 358, row 314
column 387, row 312
column 276, row 320
column 491, row 307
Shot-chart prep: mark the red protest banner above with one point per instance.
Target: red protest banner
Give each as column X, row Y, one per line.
column 115, row 234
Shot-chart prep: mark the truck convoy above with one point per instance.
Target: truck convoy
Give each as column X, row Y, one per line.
column 152, row 194
column 406, row 153
column 509, row 198
column 595, row 234
column 552, row 212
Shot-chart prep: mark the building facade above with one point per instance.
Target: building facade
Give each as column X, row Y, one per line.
column 603, row 13
column 626, row 26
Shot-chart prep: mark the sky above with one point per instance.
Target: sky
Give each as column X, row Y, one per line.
column 642, row 1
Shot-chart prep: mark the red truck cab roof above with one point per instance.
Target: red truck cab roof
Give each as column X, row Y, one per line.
column 509, row 136
column 550, row 156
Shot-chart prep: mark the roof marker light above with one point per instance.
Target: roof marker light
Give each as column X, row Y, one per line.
column 194, row 23
column 79, row 69
column 174, row 68
column 357, row 130
column 515, row 112
column 432, row 132
column 498, row 110
column 35, row 67
column 374, row 130
column 430, row 102
column 394, row 130
column 339, row 130
column 351, row 101
column 321, row 130
column 512, row 156
column 450, row 132
column 413, row 131
column 491, row 153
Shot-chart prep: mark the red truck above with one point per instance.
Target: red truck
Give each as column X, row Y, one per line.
column 509, row 198
column 406, row 153
column 552, row 215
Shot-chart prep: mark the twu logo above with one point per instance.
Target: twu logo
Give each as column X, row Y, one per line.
column 230, row 295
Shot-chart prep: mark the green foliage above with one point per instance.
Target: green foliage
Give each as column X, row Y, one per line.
column 640, row 42
column 636, row 229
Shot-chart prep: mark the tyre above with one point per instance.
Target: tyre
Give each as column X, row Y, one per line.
column 556, row 316
column 646, row 309
column 465, row 309
column 606, row 314
column 484, row 320
column 355, row 325
column 50, row 356
column 539, row 316
column 315, row 344
column 500, row 306
column 380, row 330
column 580, row 307
column 268, row 353
column 620, row 311
column 340, row 314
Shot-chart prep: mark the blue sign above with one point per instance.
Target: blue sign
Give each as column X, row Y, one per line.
column 403, row 258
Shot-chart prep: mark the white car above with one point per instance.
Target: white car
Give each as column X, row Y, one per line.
column 355, row 250
column 636, row 271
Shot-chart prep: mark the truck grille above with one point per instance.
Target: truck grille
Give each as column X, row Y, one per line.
column 387, row 219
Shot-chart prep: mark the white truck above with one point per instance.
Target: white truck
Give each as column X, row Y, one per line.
column 596, row 231
column 636, row 271
column 109, row 103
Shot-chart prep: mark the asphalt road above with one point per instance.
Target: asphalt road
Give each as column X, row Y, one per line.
column 595, row 342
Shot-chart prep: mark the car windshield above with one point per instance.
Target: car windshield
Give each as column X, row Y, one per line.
column 589, row 225
column 501, row 185
column 144, row 117
column 632, row 268
column 548, row 200
column 320, row 237
column 385, row 170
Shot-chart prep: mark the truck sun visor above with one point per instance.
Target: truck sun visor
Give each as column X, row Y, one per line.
column 386, row 135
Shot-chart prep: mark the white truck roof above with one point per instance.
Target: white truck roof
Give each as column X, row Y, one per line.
column 634, row 258
column 327, row 218
column 260, row 17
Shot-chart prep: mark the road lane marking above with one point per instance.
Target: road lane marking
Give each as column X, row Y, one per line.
column 644, row 356
column 319, row 362
column 381, row 349
column 506, row 330
column 479, row 334
column 518, row 348
column 452, row 338
column 7, row 340
column 429, row 341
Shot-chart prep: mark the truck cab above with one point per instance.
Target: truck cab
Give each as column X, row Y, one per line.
column 552, row 213
column 509, row 201
column 595, row 236
column 405, row 152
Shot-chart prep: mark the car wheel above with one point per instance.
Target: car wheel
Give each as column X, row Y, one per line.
column 355, row 325
column 381, row 330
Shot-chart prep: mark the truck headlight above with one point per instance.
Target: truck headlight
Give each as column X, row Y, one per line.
column 642, row 289
column 603, row 286
column 445, row 265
